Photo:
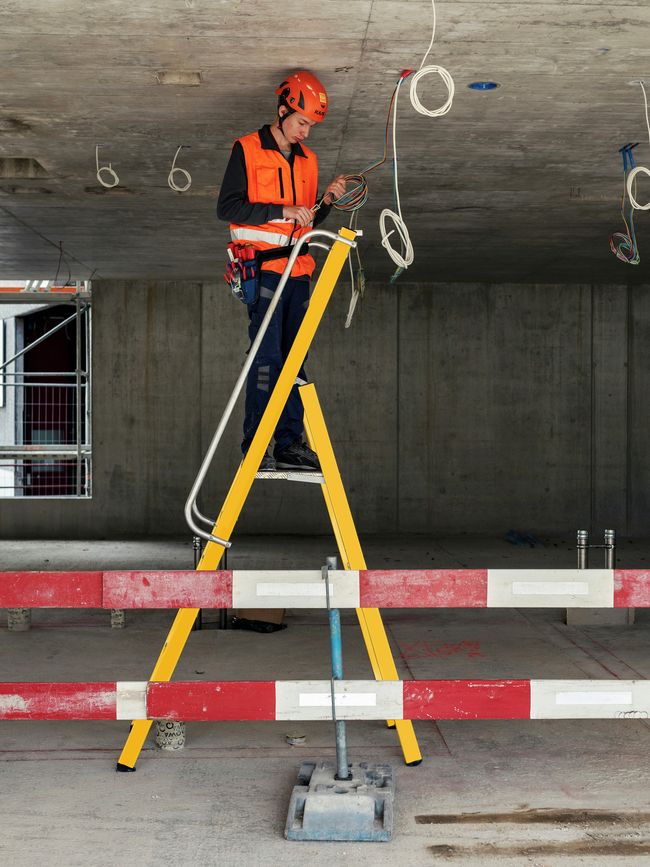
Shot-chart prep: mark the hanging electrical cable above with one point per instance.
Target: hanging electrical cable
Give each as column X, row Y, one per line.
column 109, row 169
column 631, row 178
column 178, row 188
column 624, row 244
column 402, row 254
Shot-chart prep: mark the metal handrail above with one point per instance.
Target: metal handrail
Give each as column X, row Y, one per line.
column 191, row 508
column 43, row 337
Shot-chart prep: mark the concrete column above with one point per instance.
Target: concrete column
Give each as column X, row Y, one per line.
column 609, row 438
column 118, row 618
column 170, row 736
column 19, row 619
column 609, row 413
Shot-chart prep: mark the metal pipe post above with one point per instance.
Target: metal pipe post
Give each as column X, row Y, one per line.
column 198, row 551
column 336, row 648
column 223, row 612
column 610, row 548
column 583, row 549
column 78, row 392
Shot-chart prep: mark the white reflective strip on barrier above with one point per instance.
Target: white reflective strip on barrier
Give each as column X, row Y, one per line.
column 589, row 699
column 581, row 698
column 131, row 699
column 275, row 238
column 347, row 699
column 280, row 589
column 355, row 700
column 294, row 589
column 550, row 588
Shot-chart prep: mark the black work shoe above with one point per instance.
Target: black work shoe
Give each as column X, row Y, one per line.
column 268, row 464
column 297, row 456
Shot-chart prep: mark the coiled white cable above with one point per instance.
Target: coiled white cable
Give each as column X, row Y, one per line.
column 406, row 255
column 631, row 178
column 109, row 168
column 428, row 70
column 177, row 188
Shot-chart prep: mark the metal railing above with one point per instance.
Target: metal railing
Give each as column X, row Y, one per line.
column 45, row 440
column 192, row 513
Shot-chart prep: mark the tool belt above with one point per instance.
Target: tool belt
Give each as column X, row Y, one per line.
column 244, row 269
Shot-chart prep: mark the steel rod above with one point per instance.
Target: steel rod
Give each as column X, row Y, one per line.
column 39, row 340
column 336, row 649
column 610, row 548
column 583, row 549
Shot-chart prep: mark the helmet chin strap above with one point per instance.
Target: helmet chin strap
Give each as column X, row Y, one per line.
column 283, row 117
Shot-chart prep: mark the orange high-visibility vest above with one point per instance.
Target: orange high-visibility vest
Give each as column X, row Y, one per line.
column 273, row 180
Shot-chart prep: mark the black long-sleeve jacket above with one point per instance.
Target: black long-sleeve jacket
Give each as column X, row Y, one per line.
column 233, row 205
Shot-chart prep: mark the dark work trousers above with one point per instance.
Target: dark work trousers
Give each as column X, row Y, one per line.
column 271, row 356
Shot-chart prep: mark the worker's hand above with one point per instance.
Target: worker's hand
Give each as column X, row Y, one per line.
column 303, row 216
column 335, row 190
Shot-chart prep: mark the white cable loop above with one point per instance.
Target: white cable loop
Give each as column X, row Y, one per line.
column 448, row 80
column 401, row 259
column 631, row 184
column 406, row 255
column 631, row 178
column 177, row 188
column 428, row 70
column 109, row 169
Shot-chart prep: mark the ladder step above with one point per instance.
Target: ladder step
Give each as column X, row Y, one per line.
column 292, row 476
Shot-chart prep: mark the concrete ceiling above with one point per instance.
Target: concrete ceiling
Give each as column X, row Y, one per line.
column 519, row 184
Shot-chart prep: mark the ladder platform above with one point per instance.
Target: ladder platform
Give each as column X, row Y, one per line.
column 292, row 476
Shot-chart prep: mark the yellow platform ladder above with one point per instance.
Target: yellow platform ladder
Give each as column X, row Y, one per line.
column 218, row 536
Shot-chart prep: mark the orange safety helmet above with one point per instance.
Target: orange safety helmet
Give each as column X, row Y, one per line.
column 302, row 92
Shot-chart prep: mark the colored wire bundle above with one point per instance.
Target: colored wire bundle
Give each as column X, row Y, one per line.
column 623, row 244
column 356, row 198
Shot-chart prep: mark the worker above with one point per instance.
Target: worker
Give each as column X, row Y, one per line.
column 268, row 193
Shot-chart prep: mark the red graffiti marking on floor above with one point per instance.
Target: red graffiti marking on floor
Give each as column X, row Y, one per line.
column 431, row 649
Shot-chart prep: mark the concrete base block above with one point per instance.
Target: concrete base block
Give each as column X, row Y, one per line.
column 356, row 810
column 118, row 618
column 599, row 616
column 170, row 736
column 19, row 619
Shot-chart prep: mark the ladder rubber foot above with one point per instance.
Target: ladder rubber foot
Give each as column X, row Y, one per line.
column 390, row 725
column 124, row 769
column 408, row 764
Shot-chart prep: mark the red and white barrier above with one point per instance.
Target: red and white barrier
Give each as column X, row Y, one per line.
column 311, row 700
column 394, row 588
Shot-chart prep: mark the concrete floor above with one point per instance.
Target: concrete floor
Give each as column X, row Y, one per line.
column 475, row 799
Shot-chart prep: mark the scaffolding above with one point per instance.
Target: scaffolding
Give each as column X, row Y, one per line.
column 46, row 432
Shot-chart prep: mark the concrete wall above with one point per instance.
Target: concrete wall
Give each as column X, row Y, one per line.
column 452, row 408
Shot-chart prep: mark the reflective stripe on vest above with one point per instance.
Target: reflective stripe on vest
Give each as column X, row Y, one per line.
column 253, row 233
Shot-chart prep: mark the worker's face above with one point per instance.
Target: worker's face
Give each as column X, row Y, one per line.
column 296, row 127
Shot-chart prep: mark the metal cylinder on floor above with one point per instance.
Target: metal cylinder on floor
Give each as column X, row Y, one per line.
column 583, row 549
column 170, row 736
column 19, row 619
column 610, row 548
column 118, row 618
